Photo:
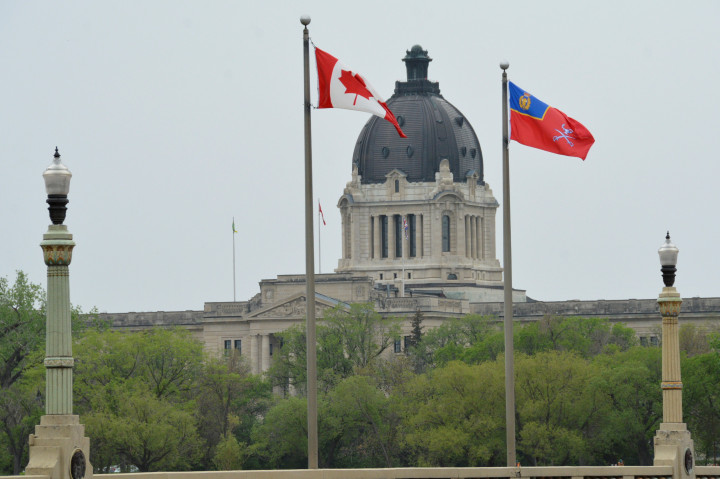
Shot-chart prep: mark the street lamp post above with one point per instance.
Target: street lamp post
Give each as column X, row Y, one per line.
column 673, row 444
column 59, row 448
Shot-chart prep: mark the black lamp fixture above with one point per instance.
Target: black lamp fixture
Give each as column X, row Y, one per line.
column 668, row 260
column 57, row 185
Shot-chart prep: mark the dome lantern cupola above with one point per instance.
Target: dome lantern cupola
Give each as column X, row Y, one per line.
column 416, row 62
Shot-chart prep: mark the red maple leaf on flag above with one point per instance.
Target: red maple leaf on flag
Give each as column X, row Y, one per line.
column 354, row 84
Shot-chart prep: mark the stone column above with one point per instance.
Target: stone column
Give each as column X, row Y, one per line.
column 59, row 448
column 419, row 235
column 473, row 238
column 57, row 249
column 673, row 443
column 669, row 302
column 478, row 236
column 468, row 241
column 391, row 236
column 254, row 363
column 265, row 353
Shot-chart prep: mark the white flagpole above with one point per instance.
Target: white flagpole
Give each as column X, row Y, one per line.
column 234, row 267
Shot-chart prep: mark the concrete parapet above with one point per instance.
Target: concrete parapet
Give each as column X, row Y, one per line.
column 569, row 472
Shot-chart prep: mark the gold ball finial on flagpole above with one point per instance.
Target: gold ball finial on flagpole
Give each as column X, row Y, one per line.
column 305, row 20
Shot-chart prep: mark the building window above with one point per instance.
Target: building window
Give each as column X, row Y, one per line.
column 411, row 232
column 384, row 235
column 407, row 342
column 409, row 276
column 271, row 349
column 397, row 186
column 398, row 346
column 397, row 219
column 238, row 345
column 653, row 340
column 227, row 346
column 446, row 234
column 394, row 275
column 381, row 276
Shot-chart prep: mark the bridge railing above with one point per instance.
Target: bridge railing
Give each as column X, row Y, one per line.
column 565, row 472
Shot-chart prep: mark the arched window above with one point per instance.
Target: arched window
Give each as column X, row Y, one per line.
column 446, row 234
column 397, row 186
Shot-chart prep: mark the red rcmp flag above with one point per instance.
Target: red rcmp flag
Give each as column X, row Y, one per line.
column 535, row 124
column 341, row 88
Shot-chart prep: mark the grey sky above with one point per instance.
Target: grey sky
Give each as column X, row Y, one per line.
column 176, row 116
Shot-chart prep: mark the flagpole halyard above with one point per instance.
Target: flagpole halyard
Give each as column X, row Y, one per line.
column 507, row 275
column 312, row 422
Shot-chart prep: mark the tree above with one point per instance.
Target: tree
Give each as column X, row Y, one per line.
column 701, row 403
column 142, row 430
column 134, row 392
column 584, row 336
column 449, row 341
column 280, row 441
column 553, row 407
column 22, row 326
column 229, row 403
column 626, row 389
column 359, row 426
column 453, row 416
column 349, row 340
column 22, row 338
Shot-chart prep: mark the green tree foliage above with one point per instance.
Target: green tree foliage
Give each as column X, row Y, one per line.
column 553, row 407
column 133, row 391
column 280, row 441
column 22, row 326
column 348, row 340
column 454, row 416
column 22, row 340
column 230, row 403
column 585, row 336
column 626, row 386
column 359, row 426
column 701, row 401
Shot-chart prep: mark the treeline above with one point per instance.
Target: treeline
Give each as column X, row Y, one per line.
column 586, row 394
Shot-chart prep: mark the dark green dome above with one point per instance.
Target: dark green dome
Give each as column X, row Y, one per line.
column 435, row 130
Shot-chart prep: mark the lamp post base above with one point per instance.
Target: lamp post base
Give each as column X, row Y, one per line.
column 59, row 448
column 674, row 447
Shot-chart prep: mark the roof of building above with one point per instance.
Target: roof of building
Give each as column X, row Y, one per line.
column 435, row 130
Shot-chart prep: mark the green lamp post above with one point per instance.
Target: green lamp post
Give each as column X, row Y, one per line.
column 57, row 249
column 59, row 448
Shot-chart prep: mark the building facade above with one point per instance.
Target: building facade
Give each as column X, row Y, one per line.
column 418, row 234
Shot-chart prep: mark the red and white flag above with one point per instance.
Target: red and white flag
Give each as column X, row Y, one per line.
column 322, row 216
column 341, row 88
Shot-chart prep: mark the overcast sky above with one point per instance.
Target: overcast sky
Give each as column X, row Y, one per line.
column 175, row 116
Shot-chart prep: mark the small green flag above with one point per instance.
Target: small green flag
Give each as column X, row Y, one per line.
column 234, row 230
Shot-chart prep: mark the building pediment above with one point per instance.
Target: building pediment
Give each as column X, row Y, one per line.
column 294, row 307
column 395, row 173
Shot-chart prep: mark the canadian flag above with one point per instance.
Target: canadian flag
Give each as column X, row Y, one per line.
column 341, row 88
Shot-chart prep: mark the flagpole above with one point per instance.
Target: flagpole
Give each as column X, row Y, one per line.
column 234, row 266
column 319, row 241
column 507, row 264
column 405, row 245
column 309, row 265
